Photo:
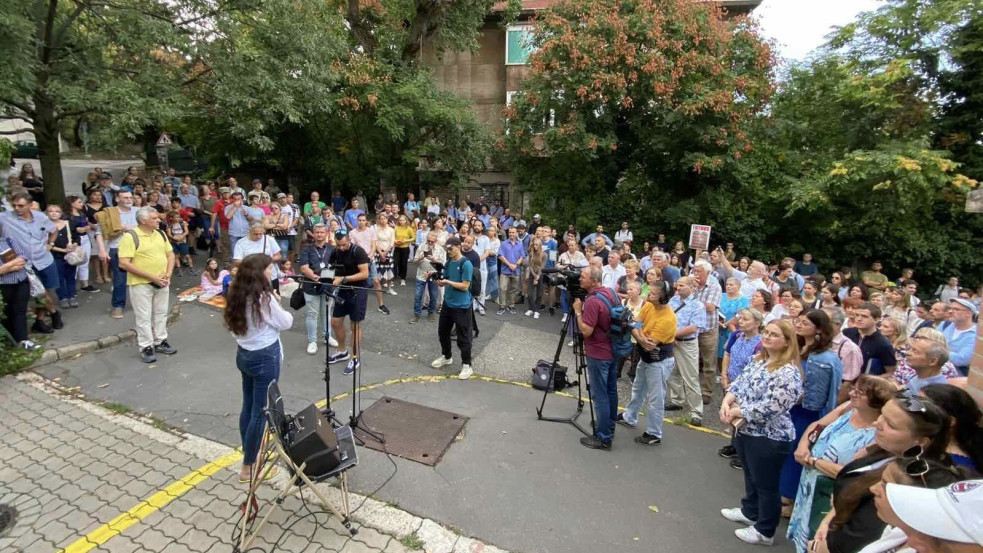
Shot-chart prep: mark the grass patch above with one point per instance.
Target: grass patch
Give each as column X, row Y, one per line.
column 14, row 359
column 117, row 408
column 412, row 541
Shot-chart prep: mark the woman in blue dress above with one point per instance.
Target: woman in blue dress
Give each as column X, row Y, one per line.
column 730, row 304
column 823, row 373
column 843, row 432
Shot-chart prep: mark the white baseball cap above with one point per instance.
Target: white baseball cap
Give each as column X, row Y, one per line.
column 952, row 513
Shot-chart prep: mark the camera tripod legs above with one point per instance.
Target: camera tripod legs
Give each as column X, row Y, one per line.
column 580, row 365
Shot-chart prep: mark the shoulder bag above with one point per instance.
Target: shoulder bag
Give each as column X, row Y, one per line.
column 77, row 256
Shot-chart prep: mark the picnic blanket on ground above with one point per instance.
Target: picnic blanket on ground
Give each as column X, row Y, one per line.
column 217, row 302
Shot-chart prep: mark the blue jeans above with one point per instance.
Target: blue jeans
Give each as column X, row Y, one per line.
column 762, row 459
column 316, row 309
column 604, row 393
column 66, row 279
column 564, row 302
column 119, row 280
column 284, row 244
column 258, row 369
column 650, row 388
column 491, row 289
column 422, row 285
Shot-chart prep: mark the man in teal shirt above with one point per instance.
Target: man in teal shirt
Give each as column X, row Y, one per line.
column 456, row 311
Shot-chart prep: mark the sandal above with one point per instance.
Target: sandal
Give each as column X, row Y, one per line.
column 271, row 474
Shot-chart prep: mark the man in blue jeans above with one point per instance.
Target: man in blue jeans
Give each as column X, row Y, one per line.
column 429, row 253
column 128, row 222
column 594, row 321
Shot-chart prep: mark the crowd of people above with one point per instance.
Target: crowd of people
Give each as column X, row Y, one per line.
column 845, row 394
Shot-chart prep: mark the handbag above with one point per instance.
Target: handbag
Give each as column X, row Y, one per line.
column 297, row 299
column 77, row 256
column 814, row 435
column 37, row 288
column 278, row 233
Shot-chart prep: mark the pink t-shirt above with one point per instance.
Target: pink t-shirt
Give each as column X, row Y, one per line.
column 363, row 238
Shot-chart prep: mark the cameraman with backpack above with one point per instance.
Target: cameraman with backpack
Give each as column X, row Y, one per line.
column 593, row 317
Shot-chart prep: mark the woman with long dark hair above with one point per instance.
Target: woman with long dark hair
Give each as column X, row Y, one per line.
column 33, row 183
column 758, row 404
column 79, row 225
column 95, row 202
column 966, row 438
column 254, row 315
column 822, row 373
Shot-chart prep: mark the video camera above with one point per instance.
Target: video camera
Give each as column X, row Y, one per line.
column 438, row 271
column 565, row 279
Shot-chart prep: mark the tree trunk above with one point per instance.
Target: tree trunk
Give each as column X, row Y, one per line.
column 46, row 133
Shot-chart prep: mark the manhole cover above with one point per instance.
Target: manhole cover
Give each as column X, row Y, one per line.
column 8, row 515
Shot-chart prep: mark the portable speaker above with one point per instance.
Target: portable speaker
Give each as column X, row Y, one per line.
column 314, row 442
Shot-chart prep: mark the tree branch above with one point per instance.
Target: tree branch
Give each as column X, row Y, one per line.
column 419, row 28
column 67, row 114
column 21, row 106
column 60, row 34
column 21, row 131
column 21, row 117
column 360, row 30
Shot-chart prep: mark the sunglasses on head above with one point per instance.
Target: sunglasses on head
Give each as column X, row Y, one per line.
column 913, row 404
column 339, row 234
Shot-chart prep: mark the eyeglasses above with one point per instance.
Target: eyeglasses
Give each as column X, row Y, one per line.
column 772, row 334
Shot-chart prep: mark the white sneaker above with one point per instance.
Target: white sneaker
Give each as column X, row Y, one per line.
column 564, row 319
column 441, row 362
column 466, row 372
column 570, row 344
column 392, row 291
column 312, row 348
column 404, row 283
column 752, row 536
column 535, row 315
column 736, row 515
column 332, row 342
column 529, row 313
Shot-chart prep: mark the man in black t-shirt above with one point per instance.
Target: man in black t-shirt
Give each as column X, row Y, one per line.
column 351, row 265
column 877, row 350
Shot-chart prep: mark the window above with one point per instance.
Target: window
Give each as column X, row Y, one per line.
column 518, row 44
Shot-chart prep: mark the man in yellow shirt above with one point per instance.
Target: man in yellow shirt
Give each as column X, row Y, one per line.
column 655, row 342
column 148, row 259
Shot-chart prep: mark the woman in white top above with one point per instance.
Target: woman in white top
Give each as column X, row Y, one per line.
column 491, row 263
column 480, row 247
column 254, row 316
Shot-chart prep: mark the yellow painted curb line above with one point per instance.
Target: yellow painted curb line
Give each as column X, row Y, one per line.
column 175, row 490
column 151, row 505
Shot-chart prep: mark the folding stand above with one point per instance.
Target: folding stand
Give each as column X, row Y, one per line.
column 275, row 447
column 580, row 365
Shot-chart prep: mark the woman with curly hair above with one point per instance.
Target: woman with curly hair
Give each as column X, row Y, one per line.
column 253, row 314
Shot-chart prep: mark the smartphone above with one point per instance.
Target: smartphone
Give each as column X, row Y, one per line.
column 8, row 255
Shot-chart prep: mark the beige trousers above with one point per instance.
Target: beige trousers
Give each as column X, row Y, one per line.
column 150, row 307
column 684, row 384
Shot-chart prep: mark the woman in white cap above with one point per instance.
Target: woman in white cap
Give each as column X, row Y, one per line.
column 946, row 520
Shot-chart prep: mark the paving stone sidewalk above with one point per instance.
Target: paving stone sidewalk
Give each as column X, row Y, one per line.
column 71, row 468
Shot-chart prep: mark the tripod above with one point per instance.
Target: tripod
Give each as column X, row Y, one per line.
column 580, row 364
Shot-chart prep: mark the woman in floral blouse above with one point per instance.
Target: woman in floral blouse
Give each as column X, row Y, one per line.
column 762, row 397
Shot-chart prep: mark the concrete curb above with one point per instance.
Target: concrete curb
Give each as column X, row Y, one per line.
column 372, row 513
column 71, row 351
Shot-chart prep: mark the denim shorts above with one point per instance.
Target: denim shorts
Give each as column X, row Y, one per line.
column 180, row 248
column 49, row 276
column 354, row 306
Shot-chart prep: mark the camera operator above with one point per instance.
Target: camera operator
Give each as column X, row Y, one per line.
column 458, row 274
column 431, row 252
column 313, row 262
column 594, row 321
column 352, row 272
column 572, row 260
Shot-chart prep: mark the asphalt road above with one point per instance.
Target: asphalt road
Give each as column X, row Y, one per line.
column 519, row 483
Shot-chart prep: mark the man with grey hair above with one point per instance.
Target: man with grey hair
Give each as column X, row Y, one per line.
column 258, row 242
column 313, row 262
column 148, row 259
column 108, row 236
column 684, row 383
column 707, row 290
column 926, row 357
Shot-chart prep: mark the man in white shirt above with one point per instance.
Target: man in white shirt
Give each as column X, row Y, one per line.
column 623, row 235
column 613, row 271
column 365, row 237
column 258, row 242
column 294, row 218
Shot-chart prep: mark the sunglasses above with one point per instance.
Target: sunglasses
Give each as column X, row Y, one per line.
column 916, row 467
column 339, row 234
column 913, row 404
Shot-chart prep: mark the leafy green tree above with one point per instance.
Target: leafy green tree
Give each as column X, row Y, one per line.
column 960, row 126
column 637, row 101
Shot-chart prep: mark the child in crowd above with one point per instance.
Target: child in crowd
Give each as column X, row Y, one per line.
column 227, row 280
column 212, row 280
column 177, row 233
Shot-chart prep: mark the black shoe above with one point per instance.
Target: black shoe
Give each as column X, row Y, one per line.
column 727, row 452
column 673, row 407
column 648, row 439
column 165, row 348
column 552, row 311
column 736, row 464
column 56, row 322
column 621, row 420
column 89, row 288
column 41, row 327
column 147, row 354
column 594, row 442
column 383, row 309
column 696, row 421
